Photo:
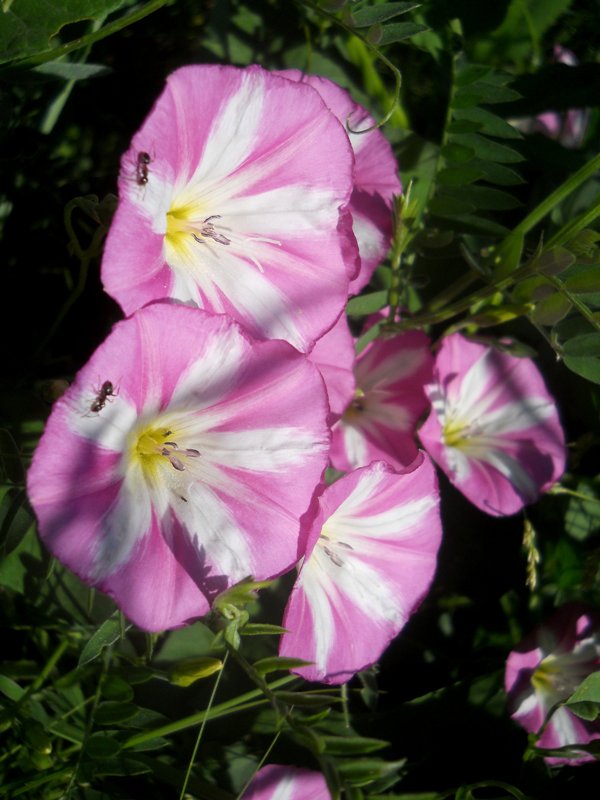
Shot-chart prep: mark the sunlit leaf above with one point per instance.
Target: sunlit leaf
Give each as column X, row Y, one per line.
column 367, row 303
column 107, row 634
column 193, row 669
column 585, row 700
column 28, row 27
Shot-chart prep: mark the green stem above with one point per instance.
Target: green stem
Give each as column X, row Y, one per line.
column 91, row 38
column 558, row 195
column 241, row 703
column 202, row 727
column 572, row 228
column 259, row 765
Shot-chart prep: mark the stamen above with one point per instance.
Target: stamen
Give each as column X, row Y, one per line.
column 335, row 559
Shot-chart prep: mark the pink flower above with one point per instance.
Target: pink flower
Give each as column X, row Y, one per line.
column 275, row 782
column 370, row 559
column 179, row 462
column 376, row 178
column 545, row 669
column 380, row 422
column 493, row 428
column 567, row 127
column 233, row 197
column 333, row 354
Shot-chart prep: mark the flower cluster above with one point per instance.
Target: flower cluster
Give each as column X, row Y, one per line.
column 190, row 451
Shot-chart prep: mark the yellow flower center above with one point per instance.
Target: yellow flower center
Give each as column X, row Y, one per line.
column 154, row 446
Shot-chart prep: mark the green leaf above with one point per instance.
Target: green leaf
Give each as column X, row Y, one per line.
column 115, row 688
column 262, row 629
column 444, row 205
column 71, row 70
column 16, row 519
column 585, row 700
column 349, row 745
column 470, row 73
column 483, row 92
column 367, row 303
column 551, row 309
column 487, row 149
column 111, row 712
column 274, row 663
column 107, row 634
column 497, row 173
column 582, row 518
column 459, row 176
column 394, row 32
column 11, row 689
column 588, row 368
column 457, row 153
column 365, row 17
column 509, row 254
column 194, row 669
column 463, row 126
column 490, row 124
column 586, row 345
column 585, row 279
column 485, row 198
column 29, row 26
column 364, row 771
column 102, row 745
column 20, row 565
column 11, row 464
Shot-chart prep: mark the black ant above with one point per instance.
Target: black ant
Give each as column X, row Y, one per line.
column 141, row 168
column 103, row 393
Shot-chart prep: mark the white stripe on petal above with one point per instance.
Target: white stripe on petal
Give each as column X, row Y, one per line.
column 261, row 449
column 513, row 471
column 214, row 375
column 352, row 526
column 316, row 583
column 355, row 444
column 126, row 522
column 108, row 427
column 214, row 532
column 517, row 416
column 234, row 132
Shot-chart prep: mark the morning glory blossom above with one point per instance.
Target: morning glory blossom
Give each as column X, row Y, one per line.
column 376, row 180
column 493, row 428
column 545, row 669
column 233, row 197
column 179, row 462
column 370, row 558
column 279, row 782
column 380, row 421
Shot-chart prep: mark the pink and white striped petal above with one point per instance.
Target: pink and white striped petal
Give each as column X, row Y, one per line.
column 493, row 428
column 370, row 559
column 279, row 782
column 240, row 205
column 380, row 422
column 545, row 669
column 376, row 178
column 192, row 474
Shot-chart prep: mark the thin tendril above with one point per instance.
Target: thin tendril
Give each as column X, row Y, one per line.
column 202, row 726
